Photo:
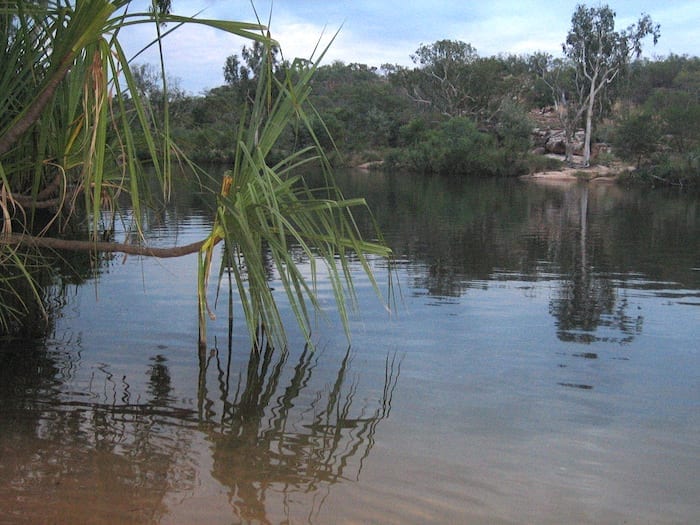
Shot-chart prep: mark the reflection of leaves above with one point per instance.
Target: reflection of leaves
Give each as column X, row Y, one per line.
column 54, row 443
column 270, row 441
column 159, row 384
column 581, row 302
column 586, row 305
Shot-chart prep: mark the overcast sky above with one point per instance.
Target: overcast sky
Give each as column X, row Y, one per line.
column 377, row 32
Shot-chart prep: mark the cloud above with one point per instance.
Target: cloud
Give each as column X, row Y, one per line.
column 375, row 33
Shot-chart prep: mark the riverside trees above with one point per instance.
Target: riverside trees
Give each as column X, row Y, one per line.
column 659, row 126
column 600, row 55
column 401, row 114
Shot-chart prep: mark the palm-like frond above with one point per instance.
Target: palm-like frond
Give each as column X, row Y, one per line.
column 265, row 210
column 62, row 132
column 69, row 114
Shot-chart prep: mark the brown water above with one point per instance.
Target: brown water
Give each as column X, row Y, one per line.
column 542, row 366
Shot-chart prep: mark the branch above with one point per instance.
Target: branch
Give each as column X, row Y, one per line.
column 32, row 114
column 77, row 245
column 44, row 198
column 28, row 202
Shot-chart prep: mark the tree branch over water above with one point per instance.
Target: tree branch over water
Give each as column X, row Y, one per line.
column 17, row 239
column 93, row 132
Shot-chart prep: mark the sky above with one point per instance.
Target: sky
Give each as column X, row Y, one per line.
column 378, row 32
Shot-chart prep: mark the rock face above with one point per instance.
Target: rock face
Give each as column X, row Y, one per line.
column 549, row 137
column 556, row 142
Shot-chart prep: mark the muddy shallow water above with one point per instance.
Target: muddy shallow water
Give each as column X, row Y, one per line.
column 541, row 366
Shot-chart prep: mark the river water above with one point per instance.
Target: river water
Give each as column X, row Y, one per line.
column 540, row 364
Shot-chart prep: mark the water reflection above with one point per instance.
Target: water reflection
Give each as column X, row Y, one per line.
column 106, row 447
column 96, row 454
column 587, row 299
column 595, row 242
column 550, row 377
column 275, row 445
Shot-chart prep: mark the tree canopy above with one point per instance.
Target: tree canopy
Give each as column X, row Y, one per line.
column 600, row 55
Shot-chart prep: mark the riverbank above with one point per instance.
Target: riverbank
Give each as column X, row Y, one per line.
column 594, row 173
column 597, row 173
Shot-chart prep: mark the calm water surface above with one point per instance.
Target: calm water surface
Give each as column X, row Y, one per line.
column 542, row 365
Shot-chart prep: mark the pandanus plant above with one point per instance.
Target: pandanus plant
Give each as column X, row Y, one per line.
column 69, row 113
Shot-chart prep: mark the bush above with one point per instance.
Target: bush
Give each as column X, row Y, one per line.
column 669, row 170
column 538, row 163
column 456, row 147
column 636, row 137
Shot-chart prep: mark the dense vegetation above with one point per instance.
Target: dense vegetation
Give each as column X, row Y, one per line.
column 458, row 113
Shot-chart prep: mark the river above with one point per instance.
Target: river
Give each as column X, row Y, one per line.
column 539, row 364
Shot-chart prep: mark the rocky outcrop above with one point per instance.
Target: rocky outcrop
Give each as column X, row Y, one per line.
column 549, row 137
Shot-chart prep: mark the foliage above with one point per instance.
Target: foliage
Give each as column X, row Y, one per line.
column 362, row 109
column 451, row 79
column 442, row 74
column 264, row 209
column 636, row 137
column 679, row 113
column 456, row 147
column 646, row 76
column 599, row 55
column 540, row 163
column 669, row 170
column 362, row 112
column 75, row 121
column 513, row 129
column 558, row 76
column 670, row 100
column 242, row 73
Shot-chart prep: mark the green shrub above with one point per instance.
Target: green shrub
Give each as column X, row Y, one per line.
column 636, row 137
column 456, row 147
column 668, row 170
column 538, row 163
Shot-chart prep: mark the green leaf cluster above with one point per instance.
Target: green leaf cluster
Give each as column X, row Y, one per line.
column 80, row 137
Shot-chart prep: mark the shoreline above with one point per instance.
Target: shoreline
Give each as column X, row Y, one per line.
column 593, row 173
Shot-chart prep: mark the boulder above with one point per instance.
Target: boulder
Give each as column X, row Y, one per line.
column 556, row 142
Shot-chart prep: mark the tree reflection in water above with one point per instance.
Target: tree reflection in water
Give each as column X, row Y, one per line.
column 105, row 447
column 101, row 454
column 274, row 443
column 588, row 302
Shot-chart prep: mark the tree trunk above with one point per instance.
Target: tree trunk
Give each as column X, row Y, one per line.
column 589, row 125
column 569, row 132
column 564, row 112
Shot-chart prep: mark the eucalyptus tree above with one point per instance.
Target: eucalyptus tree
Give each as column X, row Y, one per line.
column 558, row 75
column 600, row 55
column 451, row 79
column 242, row 72
column 69, row 105
column 441, row 79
